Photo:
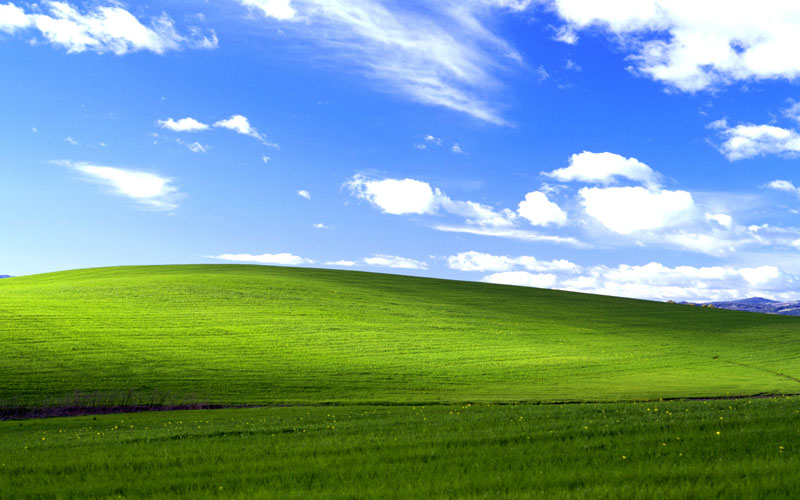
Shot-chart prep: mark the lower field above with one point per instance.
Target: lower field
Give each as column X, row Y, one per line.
column 678, row 449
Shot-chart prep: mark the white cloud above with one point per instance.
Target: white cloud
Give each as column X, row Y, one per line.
column 748, row 141
column 281, row 259
column 396, row 196
column 394, row 262
column 695, row 45
column 13, row 18
column 476, row 213
column 148, row 189
column 241, row 125
column 659, row 282
column 456, row 149
column 343, row 263
column 104, row 29
column 265, row 159
column 435, row 140
column 782, row 185
column 651, row 281
column 187, row 124
column 723, row 220
column 566, row 34
column 626, row 210
column 793, row 111
column 478, row 261
column 605, row 168
column 720, row 124
column 411, row 196
column 522, row 278
column 540, row 211
column 277, row 9
column 572, row 65
column 305, row 194
column 70, row 140
column 709, row 243
column 443, row 55
column 516, row 234
column 196, row 147
column 320, row 225
column 542, row 73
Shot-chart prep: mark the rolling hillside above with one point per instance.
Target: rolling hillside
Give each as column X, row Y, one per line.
column 234, row 334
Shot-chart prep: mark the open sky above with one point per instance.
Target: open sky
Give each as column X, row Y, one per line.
column 643, row 148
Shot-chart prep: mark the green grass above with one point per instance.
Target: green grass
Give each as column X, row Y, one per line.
column 679, row 449
column 232, row 334
column 404, row 388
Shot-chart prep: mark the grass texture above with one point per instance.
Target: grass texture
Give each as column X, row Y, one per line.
column 242, row 335
column 679, row 449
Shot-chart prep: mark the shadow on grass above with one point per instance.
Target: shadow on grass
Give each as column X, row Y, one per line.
column 97, row 402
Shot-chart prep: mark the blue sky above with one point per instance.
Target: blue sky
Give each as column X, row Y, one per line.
column 644, row 149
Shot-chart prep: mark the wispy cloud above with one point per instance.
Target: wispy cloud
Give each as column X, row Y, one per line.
column 281, row 259
column 445, row 55
column 516, row 234
column 104, row 29
column 145, row 188
column 305, row 194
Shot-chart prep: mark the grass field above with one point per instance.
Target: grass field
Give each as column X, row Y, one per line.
column 717, row 449
column 397, row 387
column 258, row 335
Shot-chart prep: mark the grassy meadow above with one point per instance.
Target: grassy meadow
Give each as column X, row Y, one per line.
column 373, row 385
column 679, row 449
column 231, row 334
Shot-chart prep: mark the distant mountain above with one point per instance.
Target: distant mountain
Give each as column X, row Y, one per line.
column 5, row 276
column 759, row 304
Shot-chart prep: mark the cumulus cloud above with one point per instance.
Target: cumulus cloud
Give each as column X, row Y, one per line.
column 626, row 210
column 522, row 278
column 605, row 168
column 343, row 263
column 147, row 189
column 479, row 261
column 394, row 262
column 781, row 185
column 241, row 125
column 396, row 196
column 103, row 29
column 411, row 196
column 748, row 141
column 281, row 259
column 723, row 220
column 653, row 281
column 692, row 46
column 445, row 55
column 187, row 124
column 305, row 194
column 540, row 211
column 13, row 18
column 659, row 282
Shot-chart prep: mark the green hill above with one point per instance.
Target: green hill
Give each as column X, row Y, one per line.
column 233, row 334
